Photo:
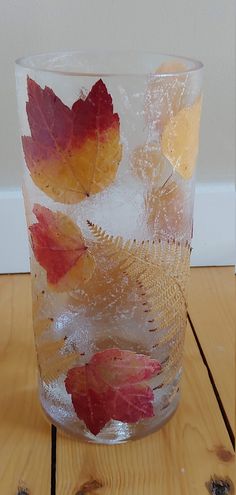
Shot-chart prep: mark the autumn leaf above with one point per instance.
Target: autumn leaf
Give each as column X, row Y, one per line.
column 165, row 93
column 148, row 163
column 71, row 153
column 180, row 139
column 112, row 386
column 107, row 291
column 160, row 270
column 59, row 247
column 164, row 262
column 169, row 211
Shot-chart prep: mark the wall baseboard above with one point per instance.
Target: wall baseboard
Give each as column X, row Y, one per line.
column 214, row 225
column 14, row 253
column 214, row 228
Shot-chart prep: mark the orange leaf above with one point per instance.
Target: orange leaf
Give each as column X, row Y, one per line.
column 180, row 139
column 59, row 247
column 71, row 153
column 148, row 163
column 164, row 95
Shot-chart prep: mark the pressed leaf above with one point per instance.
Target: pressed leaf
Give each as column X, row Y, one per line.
column 160, row 270
column 180, row 139
column 49, row 119
column 59, row 247
column 148, row 163
column 168, row 211
column 165, row 95
column 107, row 290
column 111, row 386
column 71, row 153
column 167, row 256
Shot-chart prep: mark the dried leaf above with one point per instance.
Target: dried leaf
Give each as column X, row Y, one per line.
column 108, row 287
column 148, row 163
column 112, row 386
column 180, row 139
column 165, row 94
column 168, row 211
column 59, row 247
column 161, row 271
column 71, row 153
column 168, row 257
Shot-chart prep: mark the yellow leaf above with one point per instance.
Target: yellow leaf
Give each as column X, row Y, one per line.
column 72, row 153
column 180, row 139
column 148, row 163
column 168, row 211
column 165, row 93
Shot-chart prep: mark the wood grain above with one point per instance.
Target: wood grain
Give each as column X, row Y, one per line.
column 212, row 312
column 177, row 460
column 25, row 450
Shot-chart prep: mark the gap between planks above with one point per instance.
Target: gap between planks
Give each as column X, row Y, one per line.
column 15, row 310
column 24, row 433
column 215, row 390
column 179, row 459
column 211, row 306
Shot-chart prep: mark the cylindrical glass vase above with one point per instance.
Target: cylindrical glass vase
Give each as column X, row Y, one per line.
column 109, row 143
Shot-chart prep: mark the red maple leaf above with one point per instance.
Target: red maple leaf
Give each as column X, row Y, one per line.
column 49, row 119
column 59, row 247
column 72, row 152
column 112, row 386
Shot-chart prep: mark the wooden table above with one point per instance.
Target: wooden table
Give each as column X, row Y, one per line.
column 192, row 452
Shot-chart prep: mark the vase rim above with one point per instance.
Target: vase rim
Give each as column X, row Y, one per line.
column 53, row 62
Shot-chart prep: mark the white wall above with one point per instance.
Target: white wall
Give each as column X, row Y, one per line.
column 203, row 29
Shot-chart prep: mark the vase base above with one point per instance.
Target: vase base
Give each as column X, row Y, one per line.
column 115, row 432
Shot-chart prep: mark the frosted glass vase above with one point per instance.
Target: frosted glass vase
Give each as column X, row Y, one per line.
column 109, row 143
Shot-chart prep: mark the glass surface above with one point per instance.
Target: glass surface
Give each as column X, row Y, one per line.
column 109, row 143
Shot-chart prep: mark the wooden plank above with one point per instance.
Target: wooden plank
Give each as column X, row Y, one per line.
column 25, row 447
column 177, row 460
column 212, row 312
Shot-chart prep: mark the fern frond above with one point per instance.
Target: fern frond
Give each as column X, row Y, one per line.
column 156, row 268
column 160, row 271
